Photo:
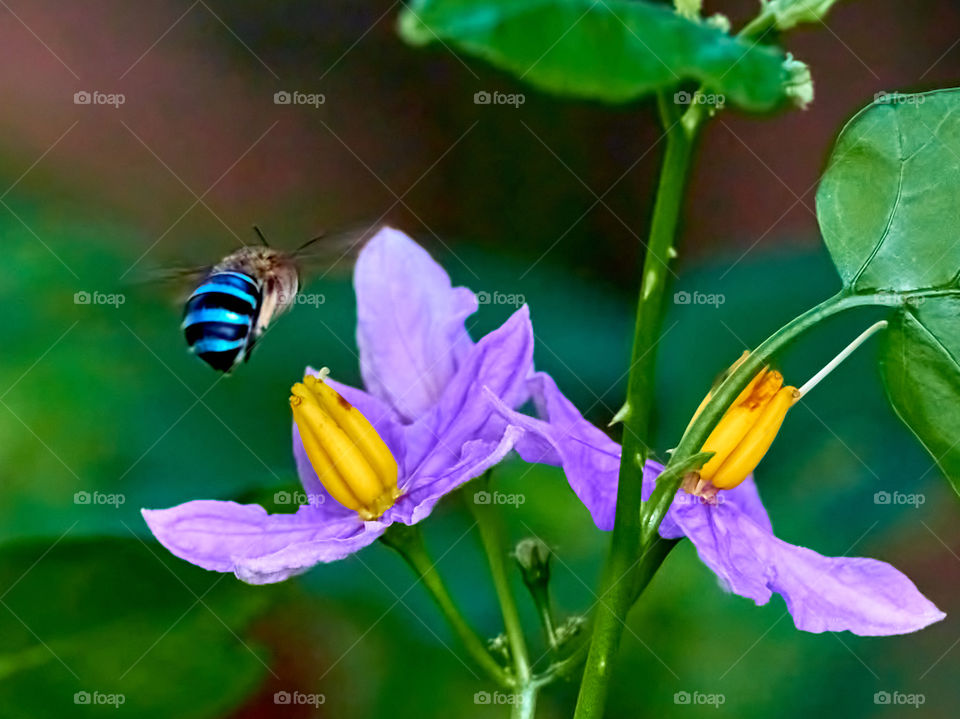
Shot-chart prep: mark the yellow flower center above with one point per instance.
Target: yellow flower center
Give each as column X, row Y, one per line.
column 351, row 460
column 747, row 429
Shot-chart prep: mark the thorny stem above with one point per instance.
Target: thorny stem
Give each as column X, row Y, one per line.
column 617, row 588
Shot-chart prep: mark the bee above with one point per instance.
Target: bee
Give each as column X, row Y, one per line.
column 236, row 300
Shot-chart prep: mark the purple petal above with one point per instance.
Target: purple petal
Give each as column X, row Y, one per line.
column 499, row 365
column 744, row 498
column 863, row 596
column 259, row 548
column 409, row 323
column 590, row 459
column 476, row 458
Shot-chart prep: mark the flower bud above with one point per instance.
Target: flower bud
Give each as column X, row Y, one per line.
column 533, row 558
column 799, row 83
column 351, row 460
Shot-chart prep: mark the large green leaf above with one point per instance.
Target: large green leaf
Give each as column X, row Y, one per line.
column 613, row 50
column 889, row 214
column 121, row 618
column 920, row 363
column 888, row 205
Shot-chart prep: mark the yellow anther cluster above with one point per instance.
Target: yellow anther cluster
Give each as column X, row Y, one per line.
column 351, row 460
column 746, row 431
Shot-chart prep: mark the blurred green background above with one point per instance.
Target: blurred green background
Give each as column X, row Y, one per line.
column 544, row 201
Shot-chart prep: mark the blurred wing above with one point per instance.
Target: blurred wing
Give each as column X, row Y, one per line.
column 333, row 253
column 177, row 282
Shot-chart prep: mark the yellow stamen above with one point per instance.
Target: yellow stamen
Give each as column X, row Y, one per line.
column 738, row 422
column 745, row 457
column 351, row 460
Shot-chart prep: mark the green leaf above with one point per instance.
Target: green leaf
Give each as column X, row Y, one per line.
column 920, row 365
column 887, row 204
column 888, row 210
column 119, row 617
column 614, row 51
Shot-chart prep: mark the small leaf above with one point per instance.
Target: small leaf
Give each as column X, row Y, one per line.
column 920, row 365
column 614, row 51
column 790, row 13
column 887, row 205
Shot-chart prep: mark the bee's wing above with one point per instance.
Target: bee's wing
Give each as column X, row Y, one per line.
column 332, row 253
column 177, row 282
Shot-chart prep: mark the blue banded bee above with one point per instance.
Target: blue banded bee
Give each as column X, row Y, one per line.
column 236, row 301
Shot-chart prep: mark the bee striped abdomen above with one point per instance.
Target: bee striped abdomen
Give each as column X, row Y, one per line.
column 219, row 318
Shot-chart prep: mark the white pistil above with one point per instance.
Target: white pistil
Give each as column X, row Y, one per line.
column 847, row 351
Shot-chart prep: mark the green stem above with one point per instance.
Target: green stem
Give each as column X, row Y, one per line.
column 649, row 563
column 617, row 590
column 408, row 542
column 491, row 534
column 525, row 706
column 541, row 599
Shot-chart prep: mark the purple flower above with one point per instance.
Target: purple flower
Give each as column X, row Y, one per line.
column 428, row 398
column 732, row 534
